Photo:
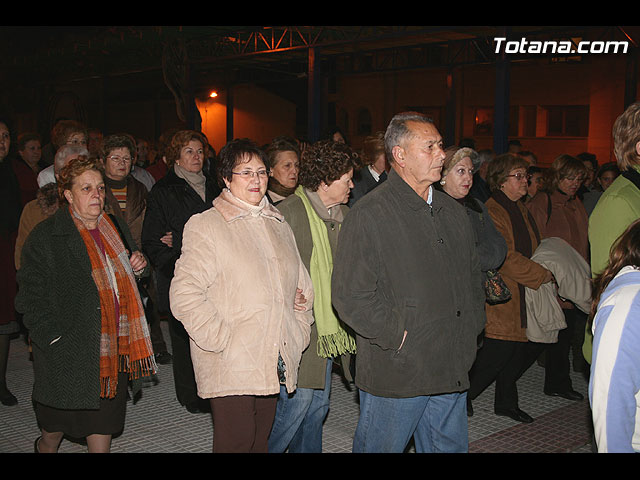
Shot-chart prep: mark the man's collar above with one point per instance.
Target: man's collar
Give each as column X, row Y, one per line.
column 410, row 196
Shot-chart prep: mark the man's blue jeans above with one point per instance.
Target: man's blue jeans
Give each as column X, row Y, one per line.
column 299, row 418
column 438, row 424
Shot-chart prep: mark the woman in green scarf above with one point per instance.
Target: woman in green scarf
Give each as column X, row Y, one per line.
column 315, row 212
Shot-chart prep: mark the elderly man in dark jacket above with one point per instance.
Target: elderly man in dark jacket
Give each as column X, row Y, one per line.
column 406, row 279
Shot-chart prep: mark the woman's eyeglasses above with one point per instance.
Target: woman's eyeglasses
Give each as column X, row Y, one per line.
column 250, row 174
column 520, row 176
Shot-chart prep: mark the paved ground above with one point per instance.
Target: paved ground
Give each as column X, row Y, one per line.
column 158, row 424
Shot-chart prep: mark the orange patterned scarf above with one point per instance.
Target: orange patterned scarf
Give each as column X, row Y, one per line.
column 125, row 345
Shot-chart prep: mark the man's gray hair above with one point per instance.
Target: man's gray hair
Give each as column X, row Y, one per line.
column 397, row 131
column 65, row 152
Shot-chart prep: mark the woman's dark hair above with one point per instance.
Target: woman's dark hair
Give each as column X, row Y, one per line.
column 73, row 169
column 372, row 148
column 332, row 130
column 562, row 167
column 588, row 157
column 64, row 129
column 325, row 161
column 608, row 167
column 281, row 144
column 25, row 138
column 7, row 123
column 178, row 141
column 235, row 152
column 500, row 167
column 119, row 140
column 624, row 251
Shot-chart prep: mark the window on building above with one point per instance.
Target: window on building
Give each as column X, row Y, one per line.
column 567, row 120
column 528, row 118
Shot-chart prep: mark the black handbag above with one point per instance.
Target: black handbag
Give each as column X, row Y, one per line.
column 496, row 291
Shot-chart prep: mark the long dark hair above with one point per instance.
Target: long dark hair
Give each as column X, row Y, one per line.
column 624, row 251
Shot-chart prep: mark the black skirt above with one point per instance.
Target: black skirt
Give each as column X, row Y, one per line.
column 107, row 420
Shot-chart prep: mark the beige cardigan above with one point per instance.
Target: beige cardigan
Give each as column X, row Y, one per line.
column 573, row 277
column 234, row 289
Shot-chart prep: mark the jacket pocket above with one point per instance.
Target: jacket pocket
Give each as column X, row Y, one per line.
column 409, row 313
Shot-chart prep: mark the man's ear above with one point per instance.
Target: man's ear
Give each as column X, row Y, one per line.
column 398, row 155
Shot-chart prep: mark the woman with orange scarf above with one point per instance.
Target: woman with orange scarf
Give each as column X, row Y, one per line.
column 78, row 294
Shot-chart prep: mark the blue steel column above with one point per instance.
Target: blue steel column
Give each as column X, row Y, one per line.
column 501, row 101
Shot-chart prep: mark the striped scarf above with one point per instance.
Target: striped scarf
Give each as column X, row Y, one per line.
column 125, row 345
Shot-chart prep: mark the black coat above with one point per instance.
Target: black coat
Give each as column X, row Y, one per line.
column 492, row 247
column 363, row 183
column 170, row 203
column 404, row 265
column 9, row 199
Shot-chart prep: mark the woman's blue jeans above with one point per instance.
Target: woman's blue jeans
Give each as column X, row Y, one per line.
column 300, row 417
column 438, row 424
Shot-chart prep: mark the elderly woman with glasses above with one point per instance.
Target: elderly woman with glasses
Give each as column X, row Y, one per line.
column 241, row 291
column 559, row 213
column 125, row 197
column 506, row 352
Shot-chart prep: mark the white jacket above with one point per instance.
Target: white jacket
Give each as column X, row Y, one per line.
column 573, row 278
column 234, row 289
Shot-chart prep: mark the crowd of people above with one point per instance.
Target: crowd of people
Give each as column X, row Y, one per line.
column 422, row 274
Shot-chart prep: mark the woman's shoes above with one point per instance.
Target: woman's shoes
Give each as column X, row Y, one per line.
column 515, row 414
column 198, row 406
column 568, row 394
column 8, row 399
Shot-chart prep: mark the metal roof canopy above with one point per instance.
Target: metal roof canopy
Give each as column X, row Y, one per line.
column 195, row 58
column 67, row 53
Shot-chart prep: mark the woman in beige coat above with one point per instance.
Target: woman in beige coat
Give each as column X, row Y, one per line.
column 240, row 289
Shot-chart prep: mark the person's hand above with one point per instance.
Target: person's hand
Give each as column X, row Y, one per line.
column 167, row 239
column 299, row 302
column 549, row 277
column 138, row 262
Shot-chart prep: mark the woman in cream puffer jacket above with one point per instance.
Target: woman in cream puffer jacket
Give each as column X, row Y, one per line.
column 234, row 289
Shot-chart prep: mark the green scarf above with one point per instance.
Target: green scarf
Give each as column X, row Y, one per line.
column 333, row 340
